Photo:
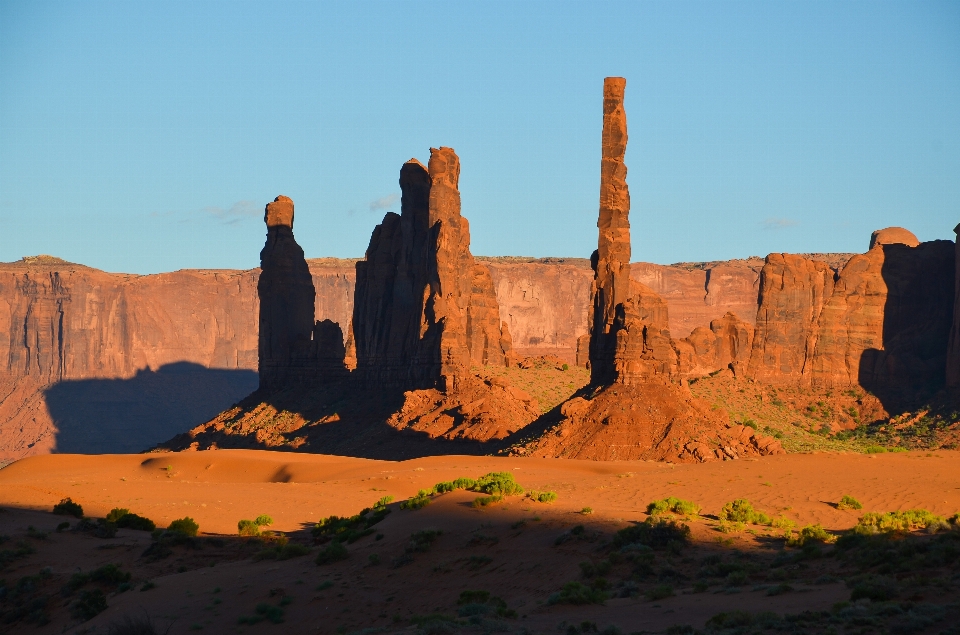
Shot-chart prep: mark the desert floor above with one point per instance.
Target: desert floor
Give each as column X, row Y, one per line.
column 518, row 550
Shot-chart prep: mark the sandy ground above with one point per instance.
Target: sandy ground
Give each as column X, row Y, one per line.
column 507, row 549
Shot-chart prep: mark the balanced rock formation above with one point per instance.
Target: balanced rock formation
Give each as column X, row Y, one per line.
column 293, row 347
column 424, row 309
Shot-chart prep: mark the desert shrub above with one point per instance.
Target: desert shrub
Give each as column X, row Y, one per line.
column 132, row 626
column 252, row 527
column 89, row 605
column 590, row 569
column 578, row 593
column 352, row 528
column 811, row 534
column 332, row 553
column 874, row 588
column 586, row 511
column 656, row 533
column 422, row 540
column 186, row 526
column 673, row 505
column 67, row 507
column 875, row 522
column 849, row 502
column 125, row 519
column 100, row 528
column 782, row 522
column 498, row 484
column 659, row 592
column 109, row 574
column 62, row 526
column 264, row 611
column 779, row 589
column 542, row 497
column 483, row 501
column 742, row 511
column 282, row 552
column 475, row 563
column 421, row 500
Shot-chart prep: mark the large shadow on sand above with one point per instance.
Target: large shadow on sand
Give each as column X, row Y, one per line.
column 113, row 416
column 917, row 316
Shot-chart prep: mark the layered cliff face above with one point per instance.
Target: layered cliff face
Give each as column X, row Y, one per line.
column 882, row 322
column 425, row 310
column 725, row 344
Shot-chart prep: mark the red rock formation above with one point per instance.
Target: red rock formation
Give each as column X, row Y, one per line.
column 424, row 309
column 793, row 291
column 611, row 261
column 893, row 236
column 643, row 347
column 953, row 349
column 726, row 344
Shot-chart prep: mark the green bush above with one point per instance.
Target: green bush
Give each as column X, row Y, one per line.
column 421, row 500
column 577, row 593
column 498, row 483
column 282, row 552
column 673, row 505
column 586, row 511
column 849, row 502
column 332, row 553
column 124, row 519
column 542, row 497
column 659, row 592
column 811, row 534
column 89, row 605
column 483, row 501
column 656, row 533
column 742, row 511
column 874, row 522
column 67, row 507
column 186, row 526
column 422, row 540
column 252, row 527
column 352, row 528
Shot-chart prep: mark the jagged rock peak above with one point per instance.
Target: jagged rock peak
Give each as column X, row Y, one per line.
column 893, row 236
column 279, row 213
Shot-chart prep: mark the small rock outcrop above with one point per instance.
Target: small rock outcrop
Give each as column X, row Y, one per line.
column 424, row 310
column 293, row 347
column 725, row 344
column 893, row 236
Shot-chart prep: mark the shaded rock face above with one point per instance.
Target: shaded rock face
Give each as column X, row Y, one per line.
column 114, row 338
column 424, row 311
column 882, row 323
column 953, row 348
column 643, row 337
column 293, row 347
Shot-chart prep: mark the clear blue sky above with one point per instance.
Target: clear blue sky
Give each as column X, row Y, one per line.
column 147, row 136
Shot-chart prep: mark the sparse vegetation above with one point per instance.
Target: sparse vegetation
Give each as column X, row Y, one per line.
column 186, row 526
column 654, row 532
column 874, row 522
column 421, row 500
column 742, row 511
column 352, row 528
column 586, row 511
column 578, row 593
column 849, row 502
column 67, row 507
column 252, row 527
column 542, row 497
column 333, row 552
column 124, row 519
column 811, row 534
column 674, row 506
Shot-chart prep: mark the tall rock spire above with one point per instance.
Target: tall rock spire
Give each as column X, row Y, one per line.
column 611, row 261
